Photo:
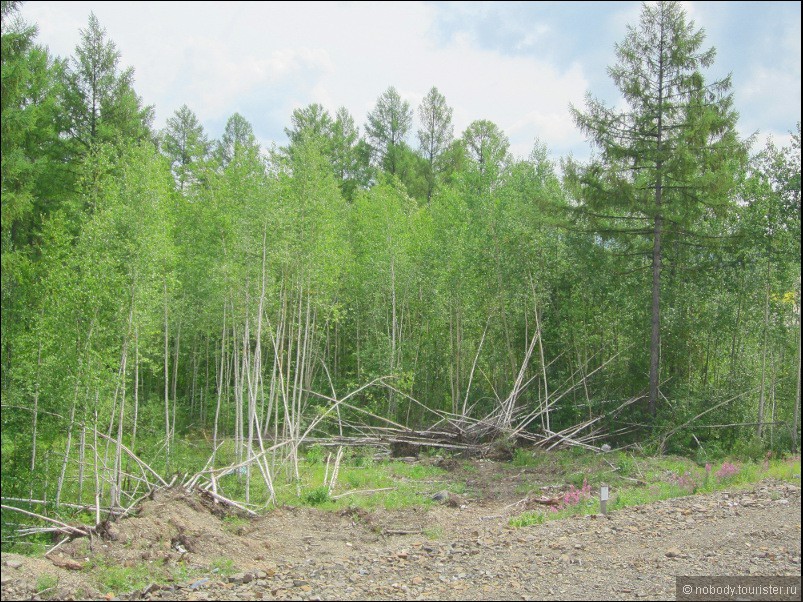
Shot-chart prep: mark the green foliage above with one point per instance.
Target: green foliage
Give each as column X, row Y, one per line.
column 113, row 577
column 223, row 566
column 315, row 454
column 387, row 127
column 527, row 519
column 524, row 457
column 45, row 584
column 316, row 496
column 749, row 448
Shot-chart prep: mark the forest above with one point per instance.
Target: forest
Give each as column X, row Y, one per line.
column 175, row 303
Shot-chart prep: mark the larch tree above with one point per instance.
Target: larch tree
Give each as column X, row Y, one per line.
column 387, row 127
column 667, row 161
column 186, row 146
column 350, row 169
column 100, row 101
column 310, row 121
column 239, row 133
column 435, row 134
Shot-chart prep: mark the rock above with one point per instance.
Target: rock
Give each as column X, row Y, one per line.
column 673, row 553
column 13, row 564
column 441, row 496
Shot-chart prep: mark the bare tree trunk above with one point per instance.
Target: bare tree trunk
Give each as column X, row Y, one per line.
column 762, row 390
column 67, row 447
column 97, row 462
column 136, row 391
column 118, row 458
column 167, row 380
column 175, row 379
column 221, row 370
column 655, row 336
column 796, row 411
column 35, row 416
column 81, row 461
column 545, row 413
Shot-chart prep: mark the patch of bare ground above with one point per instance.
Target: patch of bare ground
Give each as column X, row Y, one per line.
column 459, row 551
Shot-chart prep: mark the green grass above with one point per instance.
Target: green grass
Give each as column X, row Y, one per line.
column 117, row 578
column 223, row 567
column 234, row 524
column 785, row 470
column 45, row 584
column 664, row 477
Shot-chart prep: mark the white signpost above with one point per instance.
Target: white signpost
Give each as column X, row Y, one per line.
column 603, row 499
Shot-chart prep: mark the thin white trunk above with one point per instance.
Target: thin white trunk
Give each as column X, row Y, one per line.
column 762, row 394
column 167, row 380
column 35, row 416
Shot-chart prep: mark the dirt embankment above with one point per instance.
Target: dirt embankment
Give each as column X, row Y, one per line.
column 448, row 552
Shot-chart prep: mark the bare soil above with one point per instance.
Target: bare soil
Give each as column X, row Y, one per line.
column 460, row 550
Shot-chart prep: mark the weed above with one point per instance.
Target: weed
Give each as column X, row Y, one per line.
column 458, row 487
column 523, row 457
column 234, row 524
column 626, row 465
column 316, row 496
column 315, row 454
column 684, row 481
column 435, row 532
column 727, row 472
column 527, row 519
column 578, row 479
column 223, row 566
column 46, row 583
column 574, row 496
column 117, row 578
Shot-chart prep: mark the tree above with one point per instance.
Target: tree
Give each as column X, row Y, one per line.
column 387, row 127
column 668, row 160
column 486, row 148
column 32, row 174
column 99, row 98
column 436, row 133
column 337, row 141
column 238, row 134
column 347, row 158
column 186, row 145
column 311, row 121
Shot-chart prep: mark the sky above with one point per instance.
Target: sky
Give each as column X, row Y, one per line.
column 517, row 64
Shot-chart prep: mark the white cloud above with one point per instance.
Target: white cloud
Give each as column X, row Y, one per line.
column 265, row 59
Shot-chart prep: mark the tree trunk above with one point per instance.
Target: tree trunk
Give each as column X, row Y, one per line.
column 762, row 397
column 655, row 337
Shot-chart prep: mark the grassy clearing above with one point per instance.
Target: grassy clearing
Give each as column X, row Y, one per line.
column 366, row 483
column 387, row 484
column 635, row 480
